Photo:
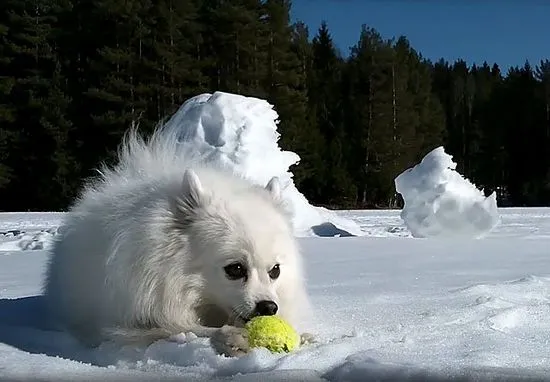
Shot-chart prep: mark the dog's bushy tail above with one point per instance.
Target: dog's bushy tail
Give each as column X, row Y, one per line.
column 164, row 151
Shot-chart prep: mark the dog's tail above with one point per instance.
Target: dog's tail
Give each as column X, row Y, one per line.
column 168, row 149
column 162, row 151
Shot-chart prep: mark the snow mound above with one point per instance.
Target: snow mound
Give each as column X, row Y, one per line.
column 240, row 133
column 17, row 240
column 440, row 202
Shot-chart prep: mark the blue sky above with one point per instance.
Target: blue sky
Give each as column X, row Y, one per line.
column 503, row 31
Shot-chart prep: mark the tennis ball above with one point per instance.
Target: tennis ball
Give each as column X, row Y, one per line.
column 273, row 333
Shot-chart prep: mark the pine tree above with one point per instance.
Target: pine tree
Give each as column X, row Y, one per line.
column 431, row 131
column 371, row 115
column 417, row 119
column 325, row 100
column 7, row 82
column 32, row 28
column 542, row 74
column 303, row 136
column 60, row 183
column 288, row 60
column 116, row 97
column 483, row 145
column 284, row 85
column 172, row 68
column 235, row 44
column 78, row 41
column 521, row 117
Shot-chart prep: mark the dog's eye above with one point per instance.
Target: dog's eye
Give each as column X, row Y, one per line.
column 235, row 271
column 275, row 272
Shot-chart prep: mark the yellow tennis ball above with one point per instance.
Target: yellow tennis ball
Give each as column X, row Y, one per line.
column 273, row 333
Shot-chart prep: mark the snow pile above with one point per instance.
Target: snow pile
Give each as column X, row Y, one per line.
column 241, row 133
column 26, row 231
column 16, row 240
column 440, row 202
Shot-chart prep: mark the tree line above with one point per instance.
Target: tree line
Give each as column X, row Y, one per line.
column 76, row 74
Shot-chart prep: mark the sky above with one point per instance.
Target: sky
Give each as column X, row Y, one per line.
column 507, row 32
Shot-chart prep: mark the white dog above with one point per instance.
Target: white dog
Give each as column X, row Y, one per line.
column 162, row 244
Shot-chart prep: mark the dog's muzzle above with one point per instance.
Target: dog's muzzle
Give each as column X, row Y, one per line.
column 262, row 308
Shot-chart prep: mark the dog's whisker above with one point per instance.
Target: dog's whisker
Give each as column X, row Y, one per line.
column 241, row 311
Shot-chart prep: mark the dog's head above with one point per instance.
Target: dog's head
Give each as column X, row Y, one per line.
column 243, row 243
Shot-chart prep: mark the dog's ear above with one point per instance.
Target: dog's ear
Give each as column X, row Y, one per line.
column 190, row 196
column 192, row 189
column 275, row 191
column 274, row 188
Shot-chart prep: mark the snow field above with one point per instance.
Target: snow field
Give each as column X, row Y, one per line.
column 389, row 307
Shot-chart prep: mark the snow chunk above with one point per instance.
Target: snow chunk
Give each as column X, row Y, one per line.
column 240, row 133
column 440, row 202
column 16, row 240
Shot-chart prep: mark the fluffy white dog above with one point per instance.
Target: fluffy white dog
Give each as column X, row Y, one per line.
column 162, row 244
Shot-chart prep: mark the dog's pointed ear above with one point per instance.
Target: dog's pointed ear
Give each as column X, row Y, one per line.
column 274, row 188
column 192, row 189
column 190, row 196
column 275, row 192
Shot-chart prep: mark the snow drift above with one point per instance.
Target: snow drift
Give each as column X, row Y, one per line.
column 440, row 202
column 240, row 133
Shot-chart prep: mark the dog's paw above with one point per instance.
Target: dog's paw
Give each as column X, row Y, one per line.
column 181, row 338
column 230, row 341
column 306, row 339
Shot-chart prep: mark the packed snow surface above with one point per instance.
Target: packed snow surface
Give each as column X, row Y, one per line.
column 389, row 307
column 240, row 133
column 440, row 202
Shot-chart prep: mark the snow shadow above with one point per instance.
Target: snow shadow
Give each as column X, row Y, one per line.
column 24, row 312
column 328, row 229
column 372, row 370
column 26, row 325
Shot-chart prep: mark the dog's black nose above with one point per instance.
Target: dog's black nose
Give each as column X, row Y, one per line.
column 266, row 308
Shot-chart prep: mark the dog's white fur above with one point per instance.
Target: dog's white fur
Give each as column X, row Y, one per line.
column 142, row 253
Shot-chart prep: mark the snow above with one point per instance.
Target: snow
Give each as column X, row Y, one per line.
column 389, row 306
column 241, row 133
column 26, row 231
column 440, row 202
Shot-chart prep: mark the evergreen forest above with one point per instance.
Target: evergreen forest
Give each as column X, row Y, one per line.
column 76, row 74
